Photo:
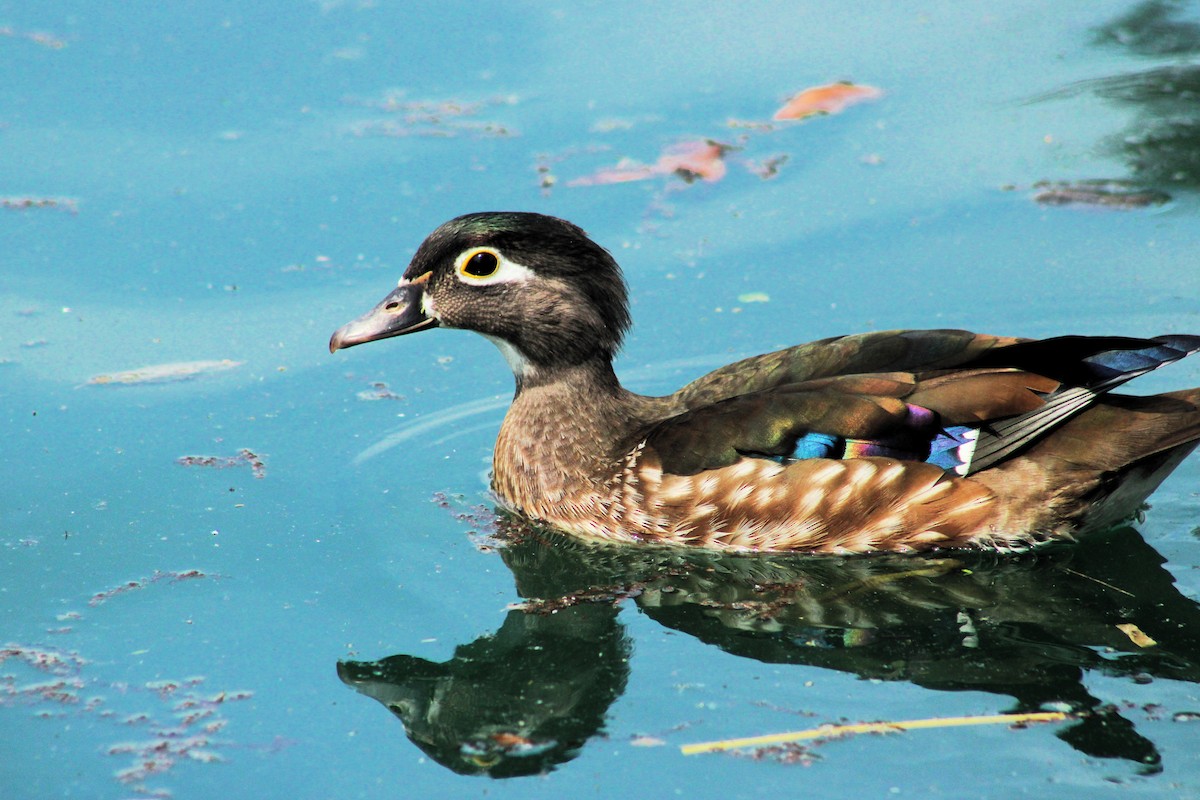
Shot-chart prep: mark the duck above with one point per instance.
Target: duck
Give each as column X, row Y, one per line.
column 885, row 441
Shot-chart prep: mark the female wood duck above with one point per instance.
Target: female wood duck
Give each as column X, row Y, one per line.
column 897, row 440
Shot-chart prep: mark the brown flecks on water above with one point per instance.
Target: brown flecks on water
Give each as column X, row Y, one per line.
column 379, row 391
column 544, row 163
column 23, row 203
column 444, row 119
column 767, row 168
column 483, row 524
column 789, row 753
column 181, row 728
column 134, row 585
column 44, row 659
column 1115, row 194
column 255, row 461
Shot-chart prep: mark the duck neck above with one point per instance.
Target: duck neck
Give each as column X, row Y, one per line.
column 564, row 432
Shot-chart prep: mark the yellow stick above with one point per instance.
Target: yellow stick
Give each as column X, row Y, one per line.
column 826, row 731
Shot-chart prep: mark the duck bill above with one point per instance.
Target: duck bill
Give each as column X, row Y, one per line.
column 397, row 314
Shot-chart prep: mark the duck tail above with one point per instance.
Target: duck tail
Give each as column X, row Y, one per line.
column 1088, row 367
column 1130, row 444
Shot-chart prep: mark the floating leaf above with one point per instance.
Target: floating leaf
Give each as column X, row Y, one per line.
column 703, row 159
column 164, row 373
column 832, row 98
column 1135, row 635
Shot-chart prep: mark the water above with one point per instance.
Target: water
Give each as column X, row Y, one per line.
column 224, row 183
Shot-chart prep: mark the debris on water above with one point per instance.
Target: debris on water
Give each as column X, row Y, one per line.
column 142, row 583
column 245, row 456
column 27, row 203
column 37, row 37
column 509, row 744
column 1135, row 635
column 482, row 520
column 184, row 727
column 751, row 124
column 767, row 168
column 788, row 753
column 444, row 119
column 832, row 98
column 379, row 391
column 45, row 659
column 1118, row 194
column 824, row 733
column 608, row 595
column 163, row 373
column 702, row 159
column 544, row 163
column 647, row 741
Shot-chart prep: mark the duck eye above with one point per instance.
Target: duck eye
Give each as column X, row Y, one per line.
column 482, row 264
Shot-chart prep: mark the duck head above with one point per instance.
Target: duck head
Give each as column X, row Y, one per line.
column 536, row 286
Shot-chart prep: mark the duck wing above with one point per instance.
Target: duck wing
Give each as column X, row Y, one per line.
column 965, row 419
column 881, row 351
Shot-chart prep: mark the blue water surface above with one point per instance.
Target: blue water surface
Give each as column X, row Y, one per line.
column 222, row 549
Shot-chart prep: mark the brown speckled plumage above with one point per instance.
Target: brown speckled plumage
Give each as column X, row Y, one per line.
column 713, row 465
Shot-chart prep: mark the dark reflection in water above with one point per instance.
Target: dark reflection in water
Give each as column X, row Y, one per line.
column 1153, row 28
column 1032, row 628
column 516, row 702
column 1162, row 145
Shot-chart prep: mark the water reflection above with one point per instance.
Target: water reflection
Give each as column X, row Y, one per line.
column 516, row 702
column 1162, row 145
column 1152, row 28
column 1031, row 628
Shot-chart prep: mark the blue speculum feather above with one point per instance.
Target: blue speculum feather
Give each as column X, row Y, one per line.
column 921, row 439
column 1123, row 362
column 1130, row 363
column 818, row 445
column 952, row 448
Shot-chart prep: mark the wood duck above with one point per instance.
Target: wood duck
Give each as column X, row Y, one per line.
column 894, row 440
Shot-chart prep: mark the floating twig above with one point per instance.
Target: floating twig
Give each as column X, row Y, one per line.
column 830, row 731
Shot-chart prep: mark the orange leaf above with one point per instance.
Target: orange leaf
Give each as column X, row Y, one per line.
column 829, row 99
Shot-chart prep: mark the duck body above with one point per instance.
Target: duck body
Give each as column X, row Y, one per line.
column 883, row 441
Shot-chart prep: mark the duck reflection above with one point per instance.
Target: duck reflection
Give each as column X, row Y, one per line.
column 1161, row 145
column 527, row 697
column 516, row 702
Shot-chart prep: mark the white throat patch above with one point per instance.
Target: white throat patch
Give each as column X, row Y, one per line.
column 517, row 362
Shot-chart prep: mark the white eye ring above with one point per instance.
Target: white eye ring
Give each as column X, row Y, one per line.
column 505, row 271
